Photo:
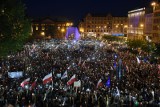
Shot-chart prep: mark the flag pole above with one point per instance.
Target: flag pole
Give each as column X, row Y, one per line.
column 52, row 79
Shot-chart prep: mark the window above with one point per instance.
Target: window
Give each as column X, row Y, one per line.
column 43, row 28
column 36, row 27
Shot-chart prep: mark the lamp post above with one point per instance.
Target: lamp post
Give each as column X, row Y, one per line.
column 82, row 31
column 62, row 30
column 125, row 27
column 141, row 30
column 43, row 35
column 148, row 42
column 154, row 5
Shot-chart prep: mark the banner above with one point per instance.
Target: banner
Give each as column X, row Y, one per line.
column 15, row 74
column 77, row 83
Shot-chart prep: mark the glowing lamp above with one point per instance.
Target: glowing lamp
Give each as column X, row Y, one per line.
column 81, row 29
column 141, row 25
column 42, row 33
column 153, row 3
column 62, row 30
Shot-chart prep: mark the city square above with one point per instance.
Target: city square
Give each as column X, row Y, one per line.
column 103, row 61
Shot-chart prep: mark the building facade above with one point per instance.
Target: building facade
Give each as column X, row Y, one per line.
column 136, row 20
column 119, row 25
column 148, row 25
column 156, row 24
column 49, row 28
column 97, row 25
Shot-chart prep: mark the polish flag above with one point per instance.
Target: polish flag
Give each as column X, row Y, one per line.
column 99, row 83
column 79, row 63
column 127, row 68
column 159, row 66
column 83, row 64
column 47, row 78
column 64, row 75
column 72, row 80
column 25, row 82
column 138, row 60
column 33, row 84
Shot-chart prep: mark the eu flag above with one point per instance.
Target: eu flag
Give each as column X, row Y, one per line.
column 114, row 65
column 108, row 82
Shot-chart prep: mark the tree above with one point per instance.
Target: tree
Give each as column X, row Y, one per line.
column 157, row 50
column 15, row 28
column 148, row 47
column 135, row 43
column 112, row 38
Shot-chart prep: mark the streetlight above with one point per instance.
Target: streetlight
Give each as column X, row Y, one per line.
column 43, row 35
column 141, row 25
column 82, row 31
column 154, row 5
column 62, row 30
column 125, row 27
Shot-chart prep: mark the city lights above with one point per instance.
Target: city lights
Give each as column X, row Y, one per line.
column 71, row 54
column 153, row 4
column 142, row 25
column 62, row 30
column 43, row 33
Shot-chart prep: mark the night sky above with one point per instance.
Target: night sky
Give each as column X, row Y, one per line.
column 77, row 9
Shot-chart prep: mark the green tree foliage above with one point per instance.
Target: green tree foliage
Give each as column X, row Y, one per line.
column 144, row 45
column 135, row 43
column 148, row 47
column 112, row 38
column 157, row 49
column 15, row 28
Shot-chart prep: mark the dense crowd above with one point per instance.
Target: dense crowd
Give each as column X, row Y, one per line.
column 110, row 76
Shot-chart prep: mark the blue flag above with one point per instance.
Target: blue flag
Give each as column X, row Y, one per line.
column 108, row 82
column 114, row 65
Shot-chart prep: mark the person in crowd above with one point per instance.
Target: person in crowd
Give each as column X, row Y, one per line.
column 109, row 75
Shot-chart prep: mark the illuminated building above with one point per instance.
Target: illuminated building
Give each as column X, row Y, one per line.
column 119, row 25
column 97, row 25
column 156, row 23
column 136, row 20
column 148, row 23
column 50, row 28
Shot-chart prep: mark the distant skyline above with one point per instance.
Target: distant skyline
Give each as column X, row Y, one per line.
column 77, row 9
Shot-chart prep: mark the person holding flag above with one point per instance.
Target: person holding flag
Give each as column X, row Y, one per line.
column 33, row 85
column 47, row 78
column 99, row 84
column 72, row 80
column 25, row 82
column 65, row 75
column 108, row 82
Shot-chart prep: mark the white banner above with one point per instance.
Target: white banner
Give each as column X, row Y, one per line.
column 77, row 83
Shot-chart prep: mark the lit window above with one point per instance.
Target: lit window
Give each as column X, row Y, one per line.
column 43, row 28
column 36, row 27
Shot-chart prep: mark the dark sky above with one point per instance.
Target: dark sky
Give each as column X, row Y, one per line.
column 77, row 9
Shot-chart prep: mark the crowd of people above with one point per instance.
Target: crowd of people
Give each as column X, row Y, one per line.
column 109, row 76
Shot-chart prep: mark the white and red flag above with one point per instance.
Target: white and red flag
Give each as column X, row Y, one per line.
column 127, row 68
column 83, row 64
column 25, row 82
column 80, row 60
column 47, row 78
column 99, row 83
column 72, row 80
column 159, row 66
column 65, row 75
column 33, row 84
column 138, row 60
